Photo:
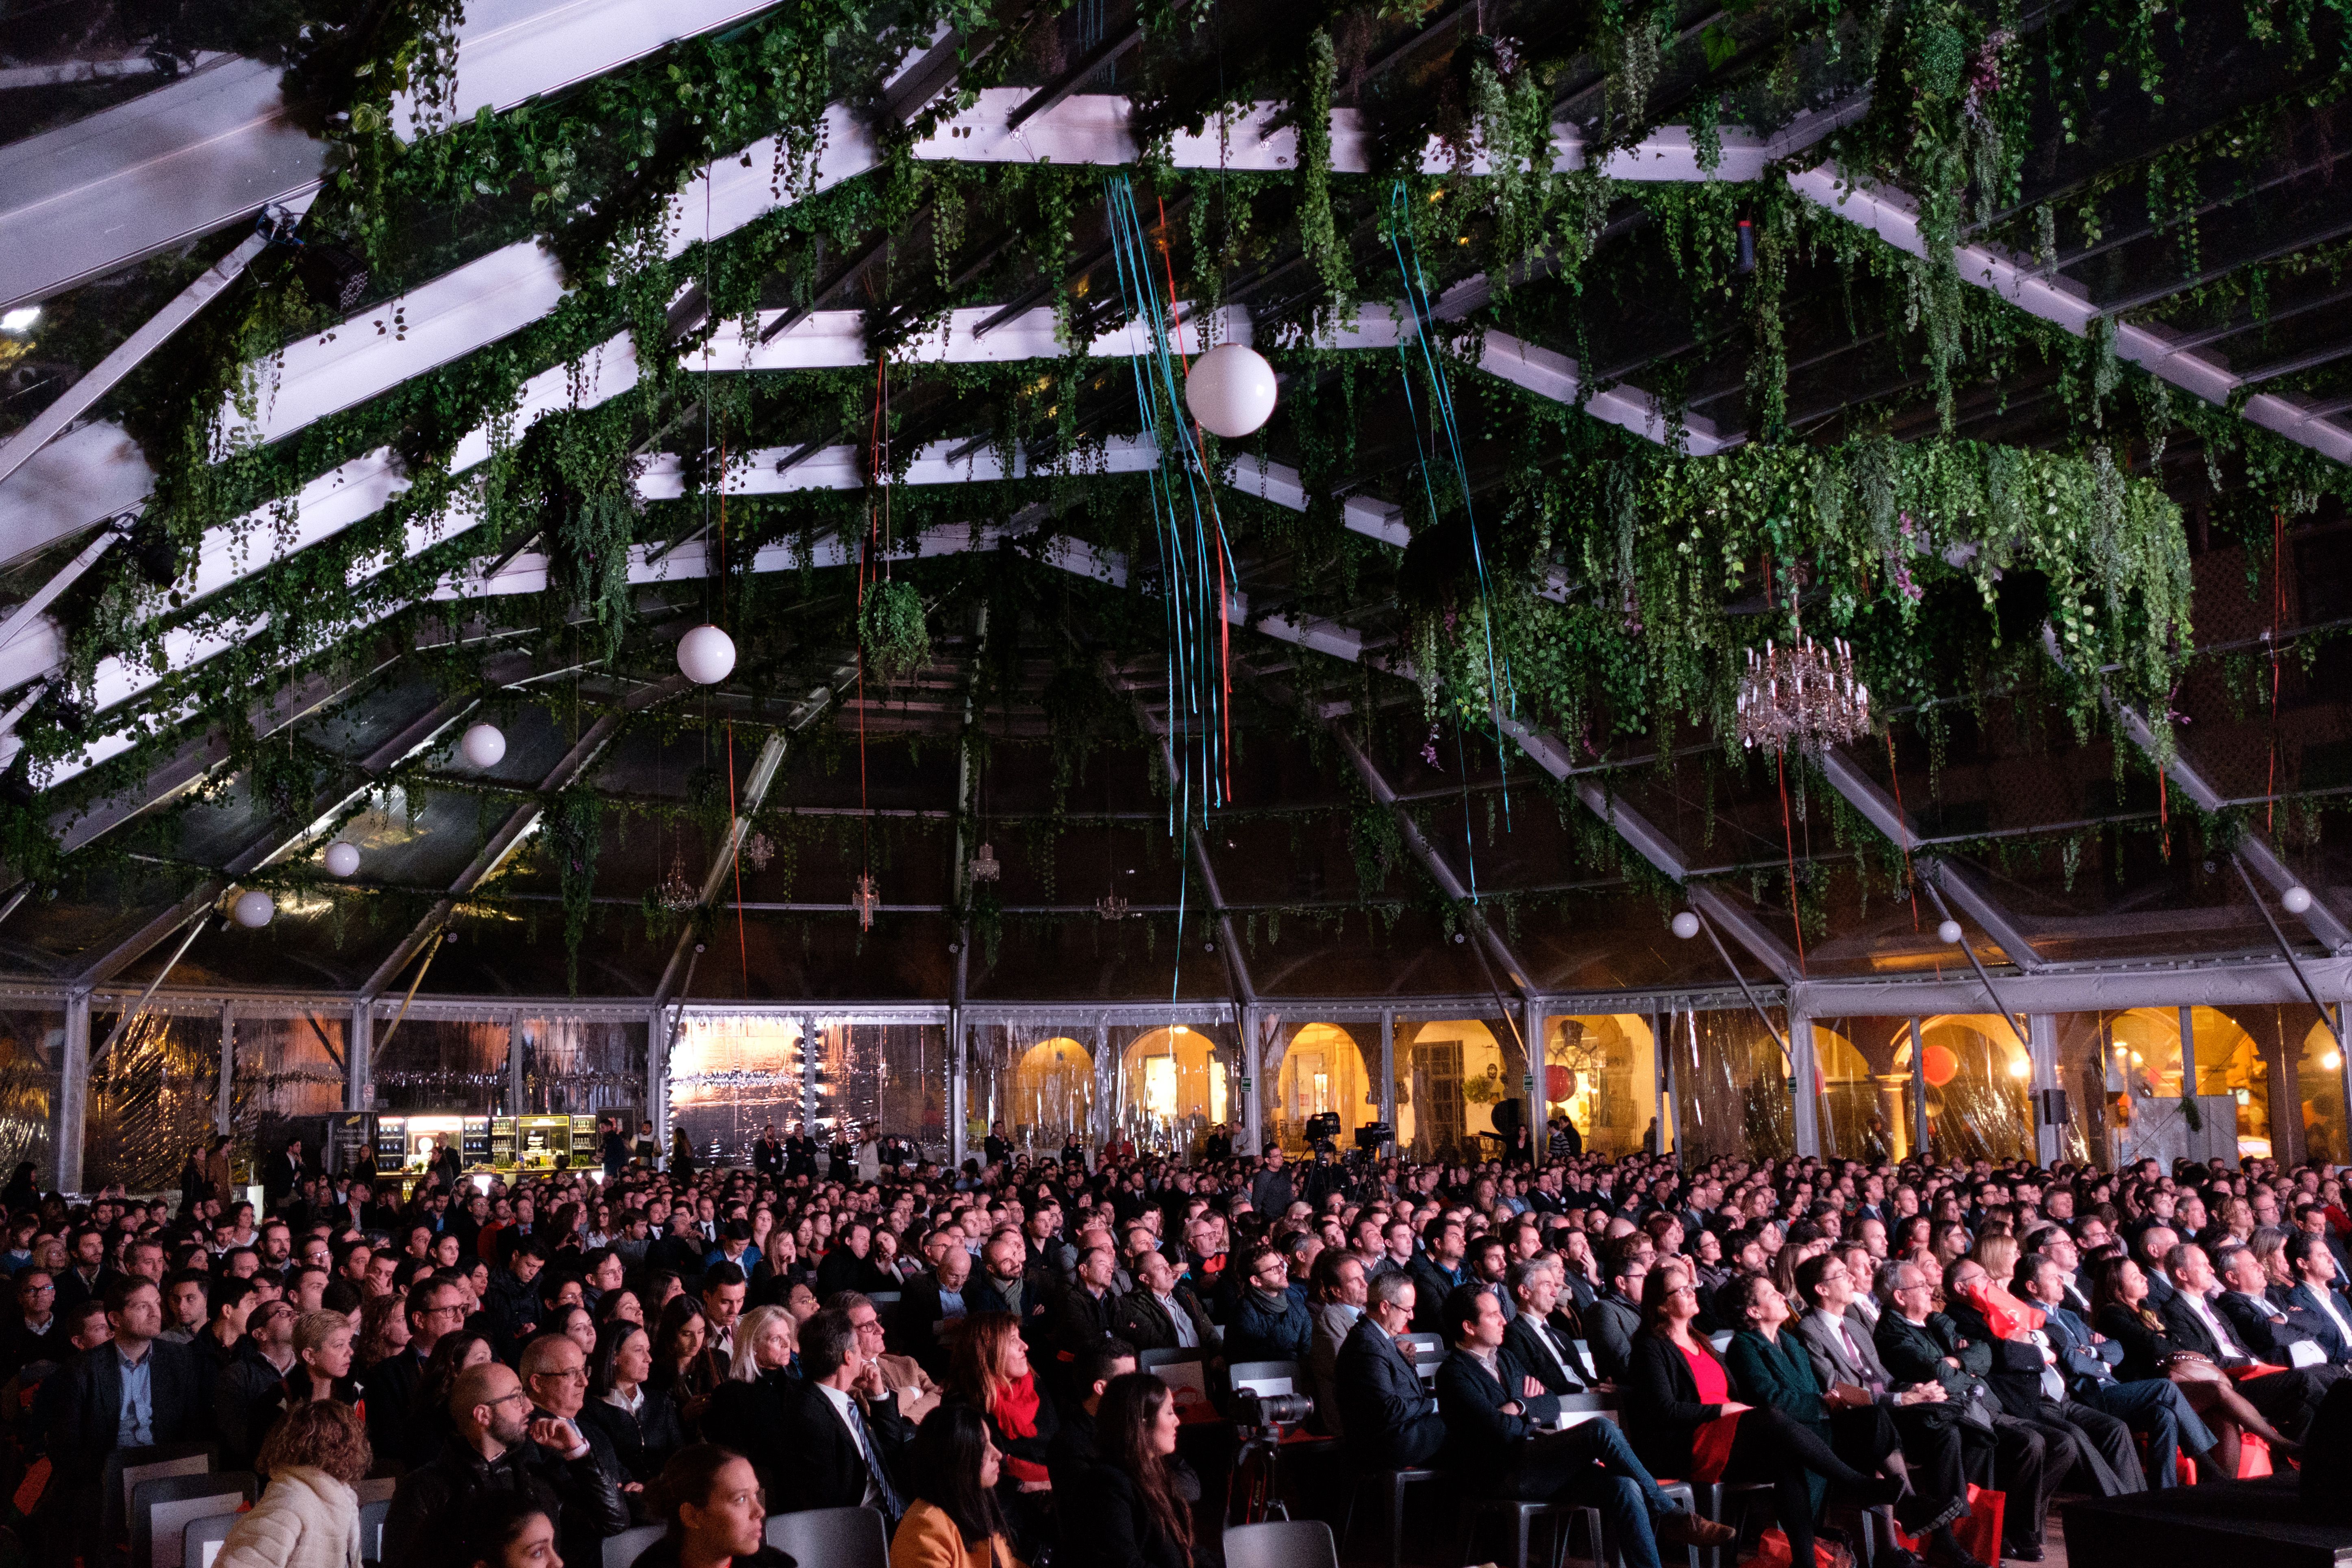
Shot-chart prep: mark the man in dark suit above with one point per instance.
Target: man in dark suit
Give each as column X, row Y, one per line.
column 1437, row 1268
column 2266, row 1327
column 2150, row 1248
column 1530, row 1337
column 2288, row 1398
column 1615, row 1317
column 768, row 1154
column 2026, row 1379
column 932, row 1307
column 1920, row 1344
column 843, row 1439
column 1845, row 1359
column 494, row 1446
column 89, row 1276
column 2314, row 1300
column 394, row 1425
column 1162, row 1312
column 1497, row 1439
column 132, row 1392
column 1011, row 1285
column 1391, row 1421
column 2154, row 1407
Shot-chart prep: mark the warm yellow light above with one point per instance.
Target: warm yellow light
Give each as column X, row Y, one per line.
column 2019, row 1068
column 2138, row 1060
column 1178, row 1030
column 2331, row 1061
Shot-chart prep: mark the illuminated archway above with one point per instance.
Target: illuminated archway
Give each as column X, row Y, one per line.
column 1601, row 1071
column 1052, row 1094
column 1323, row 1070
column 1172, row 1088
column 1981, row 1109
column 1449, row 1081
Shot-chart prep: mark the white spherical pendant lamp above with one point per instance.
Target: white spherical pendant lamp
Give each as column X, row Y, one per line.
column 1230, row 390
column 342, row 858
column 2297, row 900
column 706, row 656
column 254, row 908
column 1685, row 925
column 1949, row 933
column 483, row 745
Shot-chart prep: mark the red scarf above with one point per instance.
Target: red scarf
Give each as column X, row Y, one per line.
column 1016, row 1417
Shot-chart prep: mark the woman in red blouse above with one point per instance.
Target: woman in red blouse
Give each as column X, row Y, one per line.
column 1685, row 1418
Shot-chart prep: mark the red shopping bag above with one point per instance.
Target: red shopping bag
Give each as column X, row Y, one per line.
column 1772, row 1551
column 1979, row 1530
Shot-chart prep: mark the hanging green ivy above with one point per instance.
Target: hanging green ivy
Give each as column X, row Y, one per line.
column 893, row 631
column 575, row 820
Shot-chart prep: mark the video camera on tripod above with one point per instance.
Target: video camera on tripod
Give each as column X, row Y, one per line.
column 1323, row 1132
column 1265, row 1417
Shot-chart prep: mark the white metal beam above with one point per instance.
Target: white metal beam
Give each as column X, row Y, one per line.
column 1878, row 809
column 187, row 159
column 1894, row 217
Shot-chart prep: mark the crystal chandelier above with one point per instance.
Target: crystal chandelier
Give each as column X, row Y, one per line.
column 985, row 866
column 676, row 893
column 759, row 849
column 1805, row 696
column 866, row 900
column 1111, row 907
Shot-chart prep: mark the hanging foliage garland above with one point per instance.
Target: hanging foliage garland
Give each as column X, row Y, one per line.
column 892, row 630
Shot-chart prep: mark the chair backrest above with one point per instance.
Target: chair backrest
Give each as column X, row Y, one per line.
column 831, row 1537
column 376, row 1488
column 1152, row 1361
column 1422, row 1347
column 164, row 1507
column 1281, row 1543
column 199, row 1541
column 125, row 1468
column 1268, row 1377
column 626, row 1548
column 1721, row 1342
column 371, row 1517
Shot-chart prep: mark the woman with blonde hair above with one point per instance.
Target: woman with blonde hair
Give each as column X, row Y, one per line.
column 309, row 1516
column 749, row 1407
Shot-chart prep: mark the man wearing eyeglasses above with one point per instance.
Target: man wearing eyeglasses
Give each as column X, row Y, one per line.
column 500, row 1446
column 29, row 1335
column 395, row 1429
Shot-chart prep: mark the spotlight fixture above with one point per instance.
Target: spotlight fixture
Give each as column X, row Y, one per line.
column 1744, row 261
column 21, row 319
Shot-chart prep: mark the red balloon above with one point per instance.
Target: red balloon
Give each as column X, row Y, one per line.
column 1941, row 1066
column 1559, row 1083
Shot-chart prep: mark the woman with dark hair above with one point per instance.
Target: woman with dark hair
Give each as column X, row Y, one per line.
column 507, row 1530
column 679, row 1365
column 642, row 1423
column 429, row 1411
column 1133, row 1509
column 954, row 1522
column 989, row 1370
column 2119, row 1309
column 1677, row 1395
column 710, row 1499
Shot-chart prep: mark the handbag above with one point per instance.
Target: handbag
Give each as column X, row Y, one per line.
column 1978, row 1530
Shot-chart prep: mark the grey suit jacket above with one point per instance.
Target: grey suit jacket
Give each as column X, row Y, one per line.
column 1831, row 1362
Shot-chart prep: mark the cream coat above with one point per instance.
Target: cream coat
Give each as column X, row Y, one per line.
column 306, row 1519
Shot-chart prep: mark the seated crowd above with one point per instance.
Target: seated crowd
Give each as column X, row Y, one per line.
column 552, row 1361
